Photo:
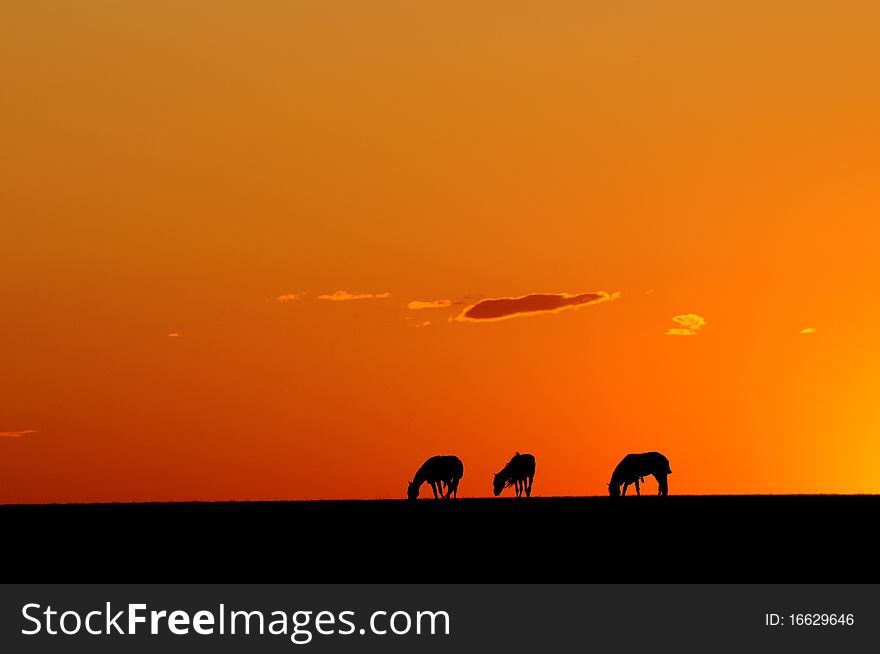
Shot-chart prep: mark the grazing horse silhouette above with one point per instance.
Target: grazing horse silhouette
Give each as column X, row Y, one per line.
column 519, row 471
column 634, row 467
column 438, row 470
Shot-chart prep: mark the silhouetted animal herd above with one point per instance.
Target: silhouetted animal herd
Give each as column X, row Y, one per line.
column 444, row 473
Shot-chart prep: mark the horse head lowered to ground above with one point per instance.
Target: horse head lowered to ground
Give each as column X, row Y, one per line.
column 519, row 472
column 633, row 468
column 442, row 473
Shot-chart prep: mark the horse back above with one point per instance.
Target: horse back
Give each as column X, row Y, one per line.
column 443, row 467
column 639, row 465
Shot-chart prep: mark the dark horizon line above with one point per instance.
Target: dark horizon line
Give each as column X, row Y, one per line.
column 422, row 501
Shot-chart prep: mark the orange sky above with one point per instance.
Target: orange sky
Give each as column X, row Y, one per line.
column 176, row 167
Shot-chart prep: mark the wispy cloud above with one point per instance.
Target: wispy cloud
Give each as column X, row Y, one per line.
column 289, row 297
column 808, row 330
column 17, row 434
column 503, row 308
column 417, row 305
column 690, row 323
column 345, row 296
column 174, row 335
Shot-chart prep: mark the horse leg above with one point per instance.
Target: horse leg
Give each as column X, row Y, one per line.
column 638, row 492
column 518, row 487
column 434, row 489
column 663, row 484
column 529, row 487
column 625, row 486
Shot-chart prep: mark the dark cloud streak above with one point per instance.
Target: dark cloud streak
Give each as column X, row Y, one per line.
column 533, row 303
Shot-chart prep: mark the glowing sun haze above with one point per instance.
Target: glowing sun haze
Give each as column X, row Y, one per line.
column 222, row 222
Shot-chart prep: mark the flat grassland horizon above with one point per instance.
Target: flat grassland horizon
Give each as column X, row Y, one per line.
column 422, row 498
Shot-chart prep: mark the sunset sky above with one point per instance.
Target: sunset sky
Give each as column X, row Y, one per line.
column 290, row 249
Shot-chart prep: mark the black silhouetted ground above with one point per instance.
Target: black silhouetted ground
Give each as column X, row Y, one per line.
column 819, row 538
